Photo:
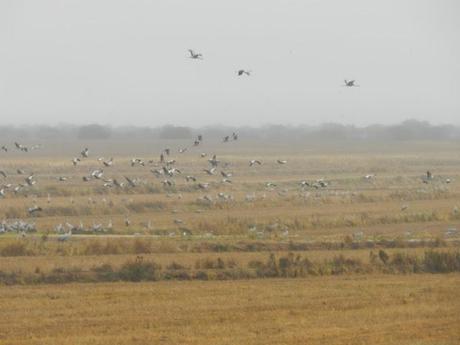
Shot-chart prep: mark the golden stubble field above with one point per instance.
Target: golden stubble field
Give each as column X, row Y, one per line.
column 407, row 310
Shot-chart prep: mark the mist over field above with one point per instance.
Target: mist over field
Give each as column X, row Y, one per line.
column 405, row 131
column 115, row 62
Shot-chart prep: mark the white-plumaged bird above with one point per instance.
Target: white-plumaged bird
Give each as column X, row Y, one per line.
column 190, row 178
column 138, row 161
column 168, row 183
column 203, row 185
column 210, row 171
column 30, row 180
column 34, row 209
column 97, row 174
column 254, row 161
column 108, row 163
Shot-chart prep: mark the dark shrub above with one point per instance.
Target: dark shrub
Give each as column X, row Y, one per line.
column 14, row 249
column 439, row 262
column 62, row 275
column 105, row 272
column 201, row 275
column 210, row 264
column 176, row 275
column 383, row 256
column 138, row 270
column 175, row 266
column 9, row 278
column 405, row 264
column 340, row 265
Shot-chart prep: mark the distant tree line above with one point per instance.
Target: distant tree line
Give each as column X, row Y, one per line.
column 410, row 130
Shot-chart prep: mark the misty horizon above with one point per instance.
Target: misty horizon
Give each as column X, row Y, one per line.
column 116, row 64
column 409, row 130
column 210, row 126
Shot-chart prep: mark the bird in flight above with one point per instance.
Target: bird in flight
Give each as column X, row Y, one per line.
column 242, row 72
column 254, row 161
column 350, row 83
column 85, row 153
column 195, row 56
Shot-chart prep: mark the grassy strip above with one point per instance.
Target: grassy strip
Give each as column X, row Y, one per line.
column 287, row 266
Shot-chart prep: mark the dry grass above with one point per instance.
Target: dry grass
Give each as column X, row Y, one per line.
column 46, row 264
column 408, row 310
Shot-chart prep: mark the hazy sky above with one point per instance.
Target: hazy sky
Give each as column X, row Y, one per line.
column 126, row 62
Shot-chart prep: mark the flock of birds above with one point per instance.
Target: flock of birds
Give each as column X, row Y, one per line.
column 241, row 72
column 164, row 168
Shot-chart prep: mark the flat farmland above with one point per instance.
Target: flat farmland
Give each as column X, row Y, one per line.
column 409, row 310
column 336, row 245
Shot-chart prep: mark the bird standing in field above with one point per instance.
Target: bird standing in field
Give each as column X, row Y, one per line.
column 429, row 175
